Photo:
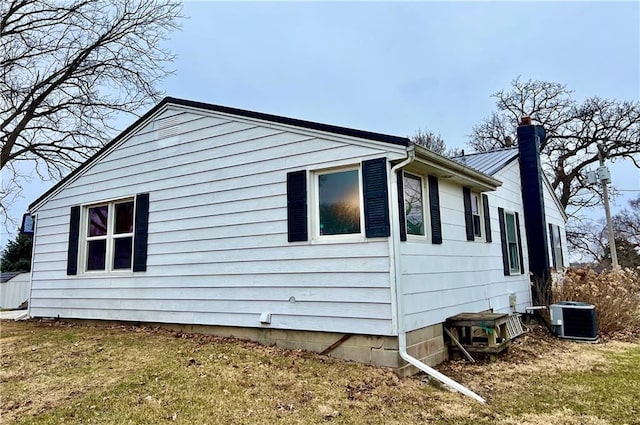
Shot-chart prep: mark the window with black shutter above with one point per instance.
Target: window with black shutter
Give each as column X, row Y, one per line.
column 344, row 202
column 109, row 236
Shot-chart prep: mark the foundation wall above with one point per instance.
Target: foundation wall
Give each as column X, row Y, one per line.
column 426, row 344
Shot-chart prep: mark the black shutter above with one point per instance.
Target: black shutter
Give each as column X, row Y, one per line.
column 553, row 251
column 376, row 198
column 74, row 234
column 468, row 216
column 519, row 244
column 434, row 210
column 297, row 206
column 487, row 217
column 141, row 230
column 503, row 242
column 401, row 216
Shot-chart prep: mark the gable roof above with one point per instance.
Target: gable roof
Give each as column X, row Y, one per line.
column 489, row 162
column 344, row 131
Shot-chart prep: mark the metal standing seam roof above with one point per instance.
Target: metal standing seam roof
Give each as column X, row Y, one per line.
column 489, row 162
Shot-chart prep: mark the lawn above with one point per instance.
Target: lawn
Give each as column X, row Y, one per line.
column 56, row 372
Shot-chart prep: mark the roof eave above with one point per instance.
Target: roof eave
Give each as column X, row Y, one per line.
column 447, row 168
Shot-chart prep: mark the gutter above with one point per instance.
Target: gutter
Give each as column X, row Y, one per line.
column 395, row 277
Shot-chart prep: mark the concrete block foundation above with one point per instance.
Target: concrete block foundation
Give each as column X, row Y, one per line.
column 425, row 344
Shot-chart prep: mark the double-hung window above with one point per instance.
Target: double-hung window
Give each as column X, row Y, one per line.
column 512, row 242
column 413, row 204
column 109, row 236
column 476, row 214
column 339, row 202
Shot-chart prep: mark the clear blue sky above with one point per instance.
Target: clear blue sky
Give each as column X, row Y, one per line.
column 395, row 67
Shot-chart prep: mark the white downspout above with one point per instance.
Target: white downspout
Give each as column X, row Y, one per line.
column 396, row 277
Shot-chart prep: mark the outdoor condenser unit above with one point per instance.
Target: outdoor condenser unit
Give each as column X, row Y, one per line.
column 574, row 320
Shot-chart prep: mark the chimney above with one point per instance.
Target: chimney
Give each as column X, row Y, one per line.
column 530, row 137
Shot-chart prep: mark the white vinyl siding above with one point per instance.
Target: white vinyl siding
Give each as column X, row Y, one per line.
column 217, row 242
column 439, row 281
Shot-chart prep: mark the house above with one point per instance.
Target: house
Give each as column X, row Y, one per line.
column 288, row 232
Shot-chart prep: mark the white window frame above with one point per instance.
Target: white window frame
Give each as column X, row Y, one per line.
column 315, row 211
column 480, row 215
column 110, row 237
column 512, row 269
column 425, row 211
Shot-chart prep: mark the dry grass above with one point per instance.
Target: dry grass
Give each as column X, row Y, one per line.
column 616, row 295
column 63, row 373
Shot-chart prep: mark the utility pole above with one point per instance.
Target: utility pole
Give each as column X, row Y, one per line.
column 605, row 179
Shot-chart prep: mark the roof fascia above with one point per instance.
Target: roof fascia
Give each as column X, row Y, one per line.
column 327, row 128
column 298, row 129
column 448, row 168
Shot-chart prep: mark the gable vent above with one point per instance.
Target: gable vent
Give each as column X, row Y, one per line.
column 167, row 127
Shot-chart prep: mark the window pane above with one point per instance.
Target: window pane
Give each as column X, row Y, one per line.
column 474, row 204
column 98, row 220
column 339, row 199
column 513, row 257
column 124, row 218
column 556, row 237
column 122, row 253
column 96, row 252
column 413, row 205
column 511, row 227
column 476, row 225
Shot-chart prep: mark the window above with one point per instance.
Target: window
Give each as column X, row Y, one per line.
column 339, row 211
column 556, row 247
column 350, row 201
column 109, row 236
column 512, row 242
column 413, row 205
column 475, row 211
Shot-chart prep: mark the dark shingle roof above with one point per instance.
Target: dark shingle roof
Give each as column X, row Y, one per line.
column 489, row 162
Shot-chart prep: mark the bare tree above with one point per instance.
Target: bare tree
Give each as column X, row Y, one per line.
column 573, row 131
column 68, row 68
column 627, row 223
column 588, row 238
column 434, row 142
column 592, row 239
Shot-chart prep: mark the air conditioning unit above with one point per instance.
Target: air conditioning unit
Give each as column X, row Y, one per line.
column 574, row 320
